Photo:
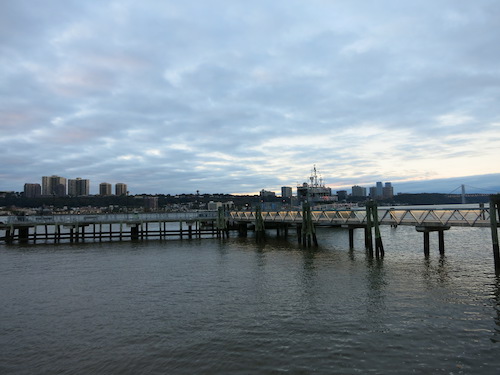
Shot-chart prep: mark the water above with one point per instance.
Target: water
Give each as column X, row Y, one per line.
column 233, row 306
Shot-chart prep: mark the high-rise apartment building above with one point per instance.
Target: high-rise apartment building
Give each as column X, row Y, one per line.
column 358, row 191
column 388, row 191
column 341, row 195
column 54, row 185
column 105, row 189
column 286, row 192
column 120, row 189
column 380, row 190
column 78, row 187
column 32, row 190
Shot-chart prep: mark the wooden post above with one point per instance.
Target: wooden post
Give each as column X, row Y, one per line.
column 259, row 224
column 368, row 232
column 441, row 242
column 134, row 232
column 24, row 233
column 426, row 243
column 494, row 206
column 308, row 230
column 351, row 238
column 379, row 247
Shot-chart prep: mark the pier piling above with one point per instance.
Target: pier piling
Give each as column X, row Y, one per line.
column 494, row 210
column 259, row 224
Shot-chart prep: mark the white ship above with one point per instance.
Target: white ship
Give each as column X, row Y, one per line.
column 315, row 192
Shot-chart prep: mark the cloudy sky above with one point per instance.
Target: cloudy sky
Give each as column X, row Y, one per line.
column 236, row 96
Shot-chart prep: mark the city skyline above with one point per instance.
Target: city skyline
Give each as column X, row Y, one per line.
column 235, row 97
column 439, row 186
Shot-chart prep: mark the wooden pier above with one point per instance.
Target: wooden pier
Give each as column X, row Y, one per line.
column 208, row 224
column 115, row 227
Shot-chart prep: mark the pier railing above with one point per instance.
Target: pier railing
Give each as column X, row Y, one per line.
column 470, row 217
column 476, row 217
column 108, row 218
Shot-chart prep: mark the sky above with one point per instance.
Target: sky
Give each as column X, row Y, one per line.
column 237, row 96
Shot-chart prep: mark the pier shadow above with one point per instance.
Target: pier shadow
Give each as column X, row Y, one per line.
column 376, row 282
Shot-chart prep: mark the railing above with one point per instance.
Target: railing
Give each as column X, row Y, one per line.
column 470, row 217
column 477, row 217
column 108, row 218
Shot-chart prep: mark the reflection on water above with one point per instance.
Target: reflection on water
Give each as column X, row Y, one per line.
column 435, row 274
column 375, row 288
column 496, row 305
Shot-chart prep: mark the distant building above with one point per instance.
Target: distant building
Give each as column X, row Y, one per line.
column 358, row 191
column 286, row 192
column 150, row 203
column 78, row 187
column 267, row 194
column 380, row 190
column 373, row 192
column 388, row 191
column 32, row 190
column 104, row 189
column 213, row 206
column 120, row 189
column 54, row 185
column 342, row 195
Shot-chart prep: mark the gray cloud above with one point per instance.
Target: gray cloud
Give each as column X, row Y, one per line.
column 234, row 97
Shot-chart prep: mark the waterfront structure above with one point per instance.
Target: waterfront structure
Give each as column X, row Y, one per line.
column 54, row 185
column 32, row 190
column 120, row 189
column 104, row 189
column 17, row 228
column 286, row 192
column 358, row 191
column 315, row 192
column 78, row 187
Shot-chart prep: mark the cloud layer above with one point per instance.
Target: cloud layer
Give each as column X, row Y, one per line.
column 236, row 96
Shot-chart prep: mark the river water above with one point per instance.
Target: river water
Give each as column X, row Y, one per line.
column 235, row 306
